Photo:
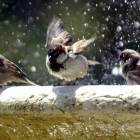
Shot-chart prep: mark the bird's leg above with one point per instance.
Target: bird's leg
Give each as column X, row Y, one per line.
column 59, row 84
column 75, row 81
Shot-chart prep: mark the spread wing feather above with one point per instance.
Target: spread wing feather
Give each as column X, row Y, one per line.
column 80, row 45
column 56, row 33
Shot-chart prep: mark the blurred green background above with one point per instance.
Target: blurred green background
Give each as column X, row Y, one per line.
column 23, row 26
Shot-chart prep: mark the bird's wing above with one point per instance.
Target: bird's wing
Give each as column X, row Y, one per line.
column 79, row 46
column 56, row 33
column 10, row 67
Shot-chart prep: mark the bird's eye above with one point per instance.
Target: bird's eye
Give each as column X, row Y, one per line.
column 123, row 56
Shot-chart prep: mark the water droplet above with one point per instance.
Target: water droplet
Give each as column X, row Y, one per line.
column 68, row 14
column 61, row 2
column 121, row 44
column 119, row 29
column 85, row 13
column 75, row 1
column 49, row 7
column 106, row 19
column 37, row 18
column 33, row 69
column 30, row 20
column 102, row 35
column 115, row 71
column 125, row 1
column 19, row 26
column 6, row 22
column 36, row 54
column 136, row 24
column 86, row 24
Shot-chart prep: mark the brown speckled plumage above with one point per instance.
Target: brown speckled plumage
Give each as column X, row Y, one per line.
column 130, row 63
column 11, row 72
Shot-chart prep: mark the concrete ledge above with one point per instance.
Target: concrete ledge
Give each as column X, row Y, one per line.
column 36, row 99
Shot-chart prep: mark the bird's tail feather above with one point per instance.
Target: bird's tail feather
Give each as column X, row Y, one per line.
column 91, row 62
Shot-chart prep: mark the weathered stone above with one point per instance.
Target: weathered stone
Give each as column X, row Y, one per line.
column 70, row 98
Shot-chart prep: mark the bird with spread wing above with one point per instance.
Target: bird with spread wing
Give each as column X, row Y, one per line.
column 63, row 61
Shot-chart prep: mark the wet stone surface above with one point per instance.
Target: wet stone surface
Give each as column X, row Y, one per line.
column 70, row 126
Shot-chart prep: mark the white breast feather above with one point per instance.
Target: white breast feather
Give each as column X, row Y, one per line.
column 73, row 68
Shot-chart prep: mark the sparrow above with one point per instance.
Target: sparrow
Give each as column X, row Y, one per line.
column 63, row 61
column 130, row 64
column 11, row 72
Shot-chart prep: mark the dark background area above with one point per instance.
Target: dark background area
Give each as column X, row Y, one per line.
column 23, row 26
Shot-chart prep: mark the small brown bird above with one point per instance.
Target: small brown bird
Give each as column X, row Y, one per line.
column 65, row 62
column 130, row 64
column 11, row 72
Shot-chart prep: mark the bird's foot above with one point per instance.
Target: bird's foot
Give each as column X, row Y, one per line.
column 58, row 84
column 73, row 84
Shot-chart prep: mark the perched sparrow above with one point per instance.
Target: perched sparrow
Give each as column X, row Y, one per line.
column 10, row 72
column 130, row 64
column 65, row 62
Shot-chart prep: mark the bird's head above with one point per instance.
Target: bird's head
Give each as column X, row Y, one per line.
column 57, row 52
column 128, row 56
